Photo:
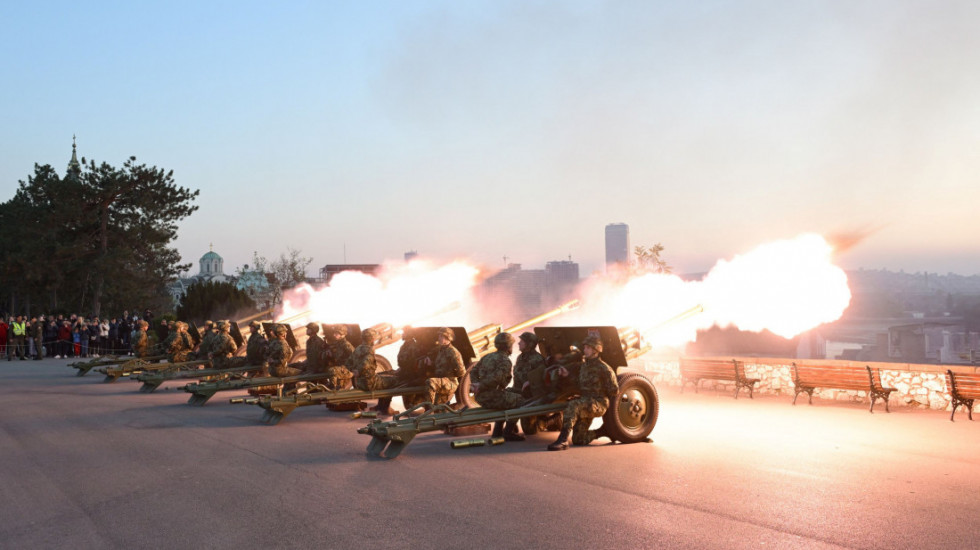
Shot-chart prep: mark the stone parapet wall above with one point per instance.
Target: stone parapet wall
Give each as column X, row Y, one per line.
column 917, row 386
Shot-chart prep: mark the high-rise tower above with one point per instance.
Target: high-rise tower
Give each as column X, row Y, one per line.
column 617, row 246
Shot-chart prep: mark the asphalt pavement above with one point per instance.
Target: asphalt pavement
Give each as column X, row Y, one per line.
column 85, row 464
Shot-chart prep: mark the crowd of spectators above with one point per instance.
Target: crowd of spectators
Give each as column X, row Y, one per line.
column 67, row 337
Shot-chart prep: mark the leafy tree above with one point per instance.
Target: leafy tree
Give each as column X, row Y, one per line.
column 211, row 300
column 648, row 260
column 100, row 235
column 290, row 268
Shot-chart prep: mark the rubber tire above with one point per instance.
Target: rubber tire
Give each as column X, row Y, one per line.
column 621, row 421
column 383, row 363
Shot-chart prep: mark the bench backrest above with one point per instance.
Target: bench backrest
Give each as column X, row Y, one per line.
column 830, row 375
column 710, row 368
column 963, row 384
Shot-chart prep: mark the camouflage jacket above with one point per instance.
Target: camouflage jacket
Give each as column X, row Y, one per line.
column 256, row 348
column 448, row 363
column 597, row 379
column 316, row 352
column 493, row 371
column 207, row 343
column 339, row 352
column 181, row 347
column 527, row 361
column 408, row 357
column 279, row 353
column 223, row 346
column 363, row 363
column 139, row 342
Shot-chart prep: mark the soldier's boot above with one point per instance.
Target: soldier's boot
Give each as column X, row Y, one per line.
column 560, row 444
column 498, row 429
column 384, row 407
column 511, row 433
column 601, row 432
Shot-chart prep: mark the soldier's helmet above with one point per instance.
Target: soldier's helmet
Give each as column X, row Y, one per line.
column 280, row 330
column 369, row 336
column 144, row 324
column 503, row 340
column 313, row 327
column 593, row 341
column 340, row 329
column 181, row 325
column 224, row 326
column 447, row 332
column 406, row 333
column 208, row 324
column 530, row 338
column 255, row 325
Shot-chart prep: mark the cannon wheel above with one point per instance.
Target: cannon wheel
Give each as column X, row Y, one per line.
column 634, row 413
column 383, row 363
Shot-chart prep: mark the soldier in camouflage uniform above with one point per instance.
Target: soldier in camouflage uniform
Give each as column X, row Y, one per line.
column 279, row 353
column 182, row 347
column 171, row 335
column 316, row 351
column 447, row 368
column 207, row 340
column 255, row 350
column 339, row 352
column 492, row 374
column 409, row 372
column 529, row 361
column 365, row 366
column 223, row 349
column 139, row 341
column 596, row 383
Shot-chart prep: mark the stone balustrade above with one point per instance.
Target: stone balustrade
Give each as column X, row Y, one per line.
column 917, row 385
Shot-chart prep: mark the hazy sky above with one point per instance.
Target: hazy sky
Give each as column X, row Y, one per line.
column 519, row 129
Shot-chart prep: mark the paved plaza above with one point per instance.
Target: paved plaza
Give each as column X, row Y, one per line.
column 84, row 464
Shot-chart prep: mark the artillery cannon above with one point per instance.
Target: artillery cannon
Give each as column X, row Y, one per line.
column 476, row 344
column 85, row 366
column 278, row 407
column 153, row 378
column 204, row 391
column 631, row 416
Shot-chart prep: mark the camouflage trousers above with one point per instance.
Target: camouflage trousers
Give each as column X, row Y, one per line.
column 282, row 371
column 578, row 416
column 440, row 390
column 339, row 377
column 500, row 399
column 229, row 362
column 380, row 381
column 307, row 366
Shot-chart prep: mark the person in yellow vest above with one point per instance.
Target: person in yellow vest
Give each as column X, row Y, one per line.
column 18, row 339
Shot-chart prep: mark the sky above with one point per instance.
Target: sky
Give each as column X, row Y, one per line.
column 357, row 131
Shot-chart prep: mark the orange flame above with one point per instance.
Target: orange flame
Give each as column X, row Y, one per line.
column 786, row 287
column 400, row 294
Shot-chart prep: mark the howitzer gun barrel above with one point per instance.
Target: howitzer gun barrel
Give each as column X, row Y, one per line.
column 258, row 315
column 564, row 308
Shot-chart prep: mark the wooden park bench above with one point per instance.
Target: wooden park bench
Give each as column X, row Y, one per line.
column 807, row 378
column 963, row 388
column 695, row 370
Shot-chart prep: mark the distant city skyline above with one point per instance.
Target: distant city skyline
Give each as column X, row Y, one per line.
column 355, row 132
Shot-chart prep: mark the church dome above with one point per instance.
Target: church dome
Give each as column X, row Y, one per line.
column 210, row 255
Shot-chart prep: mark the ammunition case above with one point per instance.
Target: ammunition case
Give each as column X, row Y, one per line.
column 495, row 441
column 462, row 443
column 369, row 414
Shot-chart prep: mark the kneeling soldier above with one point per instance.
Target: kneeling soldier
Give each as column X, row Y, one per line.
column 365, row 365
column 596, row 382
column 492, row 374
column 447, row 368
column 279, row 354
